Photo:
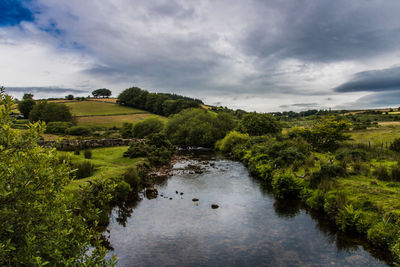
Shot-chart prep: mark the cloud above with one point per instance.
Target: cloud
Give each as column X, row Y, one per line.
column 372, row 81
column 254, row 55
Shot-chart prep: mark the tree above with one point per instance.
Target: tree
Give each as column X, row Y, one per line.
column 198, row 127
column 146, row 127
column 69, row 97
column 49, row 112
column 326, row 133
column 41, row 224
column 27, row 96
column 259, row 124
column 25, row 106
column 104, row 92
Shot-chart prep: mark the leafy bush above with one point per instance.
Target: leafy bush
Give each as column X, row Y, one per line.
column 316, row 201
column 353, row 155
column 395, row 146
column 127, row 130
column 382, row 173
column 157, row 149
column 77, row 152
column 132, row 177
column 88, row 154
column 49, row 112
column 383, row 234
column 147, row 127
column 396, row 173
column 286, row 186
column 334, row 201
column 25, row 107
column 259, row 124
column 327, row 171
column 350, row 220
column 231, row 140
column 83, row 169
column 58, row 127
column 79, row 130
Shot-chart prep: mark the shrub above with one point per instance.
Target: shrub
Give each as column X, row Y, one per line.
column 334, row 201
column 88, row 154
column 353, row 155
column 327, row 171
column 259, row 124
column 395, row 146
column 316, row 201
column 79, row 130
column 349, row 220
column 147, row 127
column 396, row 173
column 383, row 234
column 231, row 140
column 83, row 169
column 25, row 107
column 132, row 177
column 127, row 130
column 49, row 112
column 381, row 173
column 58, row 127
column 77, row 152
column 287, row 186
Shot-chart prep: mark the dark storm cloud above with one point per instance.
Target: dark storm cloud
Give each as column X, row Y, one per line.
column 372, row 81
column 381, row 99
column 325, row 31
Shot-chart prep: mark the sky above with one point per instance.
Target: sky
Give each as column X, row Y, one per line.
column 255, row 55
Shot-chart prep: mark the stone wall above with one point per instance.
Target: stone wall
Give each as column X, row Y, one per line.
column 70, row 145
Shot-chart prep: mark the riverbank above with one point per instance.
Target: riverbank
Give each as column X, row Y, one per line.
column 352, row 187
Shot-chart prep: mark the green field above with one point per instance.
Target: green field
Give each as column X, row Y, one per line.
column 114, row 120
column 96, row 108
column 109, row 162
column 386, row 133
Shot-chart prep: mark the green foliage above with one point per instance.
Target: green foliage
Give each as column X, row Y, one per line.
column 58, row 127
column 326, row 133
column 69, row 97
column 395, row 146
column 383, row 234
column 25, row 106
column 40, row 224
column 79, row 130
column 127, row 130
column 259, row 124
column 83, row 169
column 352, row 154
column 197, row 127
column 326, row 172
column 49, row 112
column 287, row 186
column 334, row 201
column 231, row 140
column 157, row 149
column 162, row 104
column 131, row 176
column 382, row 173
column 316, row 200
column 396, row 173
column 101, row 92
column 147, row 127
column 349, row 219
column 88, row 154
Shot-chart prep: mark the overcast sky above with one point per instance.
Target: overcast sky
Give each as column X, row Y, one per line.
column 254, row 55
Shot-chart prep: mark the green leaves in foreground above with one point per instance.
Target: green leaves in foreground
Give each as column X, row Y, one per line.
column 40, row 224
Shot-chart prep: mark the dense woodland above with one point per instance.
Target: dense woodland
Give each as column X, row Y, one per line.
column 312, row 156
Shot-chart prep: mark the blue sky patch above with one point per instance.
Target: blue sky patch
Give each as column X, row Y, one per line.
column 13, row 12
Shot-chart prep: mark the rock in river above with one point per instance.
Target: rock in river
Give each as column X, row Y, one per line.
column 151, row 193
column 214, row 206
column 195, row 199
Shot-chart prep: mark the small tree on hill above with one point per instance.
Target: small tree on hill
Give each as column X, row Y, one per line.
column 104, row 92
column 25, row 106
column 27, row 96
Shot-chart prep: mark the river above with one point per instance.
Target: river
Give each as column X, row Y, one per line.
column 249, row 228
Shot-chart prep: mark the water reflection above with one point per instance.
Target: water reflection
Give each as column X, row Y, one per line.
column 250, row 227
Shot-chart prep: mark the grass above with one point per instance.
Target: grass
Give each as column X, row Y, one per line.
column 109, row 162
column 384, row 134
column 116, row 120
column 96, row 108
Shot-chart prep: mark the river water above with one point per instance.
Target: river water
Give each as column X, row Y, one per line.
column 250, row 227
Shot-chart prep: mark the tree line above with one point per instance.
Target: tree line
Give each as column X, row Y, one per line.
column 158, row 103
